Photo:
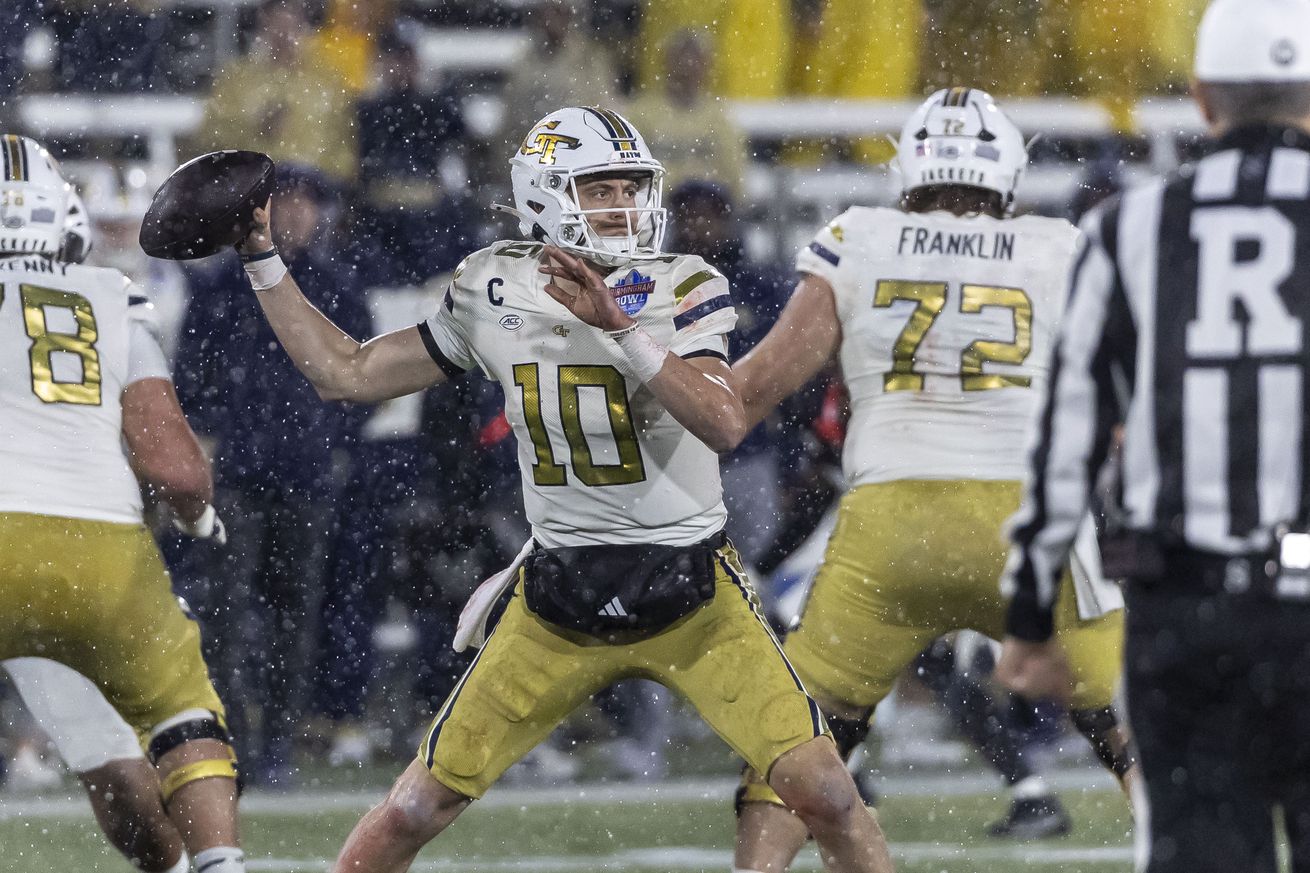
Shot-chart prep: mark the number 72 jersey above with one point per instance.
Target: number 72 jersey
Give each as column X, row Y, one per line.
column 66, row 353
column 947, row 329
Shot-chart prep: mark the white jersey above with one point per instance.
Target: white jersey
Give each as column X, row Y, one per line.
column 947, row 329
column 602, row 461
column 72, row 338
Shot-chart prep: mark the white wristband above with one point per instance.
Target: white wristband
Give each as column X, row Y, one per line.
column 644, row 353
column 265, row 272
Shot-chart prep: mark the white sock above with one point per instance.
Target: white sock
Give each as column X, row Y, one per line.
column 183, row 864
column 1030, row 788
column 220, row 859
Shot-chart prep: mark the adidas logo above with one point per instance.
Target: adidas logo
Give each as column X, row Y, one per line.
column 613, row 609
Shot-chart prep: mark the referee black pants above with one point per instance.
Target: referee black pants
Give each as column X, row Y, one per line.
column 1219, row 700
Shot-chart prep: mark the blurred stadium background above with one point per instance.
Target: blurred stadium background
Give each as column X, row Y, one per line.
column 393, row 121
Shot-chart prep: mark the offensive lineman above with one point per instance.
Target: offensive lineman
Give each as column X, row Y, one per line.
column 89, row 734
column 943, row 313
column 618, row 390
column 81, row 580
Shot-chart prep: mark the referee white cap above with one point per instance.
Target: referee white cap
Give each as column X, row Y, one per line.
column 1254, row 41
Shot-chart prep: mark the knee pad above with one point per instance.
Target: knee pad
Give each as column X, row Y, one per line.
column 184, row 728
column 849, row 733
column 753, row 789
column 1099, row 726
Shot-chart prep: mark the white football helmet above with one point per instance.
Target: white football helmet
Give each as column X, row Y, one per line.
column 571, row 144
column 959, row 136
column 33, row 198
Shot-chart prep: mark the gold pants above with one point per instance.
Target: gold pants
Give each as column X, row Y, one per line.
column 531, row 674
column 95, row 596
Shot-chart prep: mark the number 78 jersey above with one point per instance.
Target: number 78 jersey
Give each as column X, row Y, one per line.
column 947, row 329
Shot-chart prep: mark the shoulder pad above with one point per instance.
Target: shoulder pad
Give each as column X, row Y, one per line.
column 467, row 274
column 689, row 273
column 106, row 278
column 520, row 250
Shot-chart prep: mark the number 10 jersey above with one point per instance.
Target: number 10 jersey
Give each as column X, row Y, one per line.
column 947, row 329
column 602, row 461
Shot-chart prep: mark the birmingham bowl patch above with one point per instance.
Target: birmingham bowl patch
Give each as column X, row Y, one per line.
column 632, row 291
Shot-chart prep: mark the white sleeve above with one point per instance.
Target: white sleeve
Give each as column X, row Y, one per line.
column 445, row 339
column 146, row 359
column 703, row 315
column 822, row 257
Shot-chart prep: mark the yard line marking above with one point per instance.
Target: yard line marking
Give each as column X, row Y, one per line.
column 693, row 858
column 304, row 804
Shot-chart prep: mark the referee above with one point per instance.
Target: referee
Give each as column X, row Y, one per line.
column 1188, row 325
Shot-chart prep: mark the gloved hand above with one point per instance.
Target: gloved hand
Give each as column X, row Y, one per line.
column 207, row 526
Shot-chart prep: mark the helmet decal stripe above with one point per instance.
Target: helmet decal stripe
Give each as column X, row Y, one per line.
column 957, row 96
column 15, row 171
column 629, row 138
column 621, row 143
column 595, row 110
column 4, row 153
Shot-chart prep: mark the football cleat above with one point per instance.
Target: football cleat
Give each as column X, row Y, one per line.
column 1034, row 818
column 566, row 146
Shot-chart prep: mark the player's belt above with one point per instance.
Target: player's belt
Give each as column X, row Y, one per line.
column 1184, row 570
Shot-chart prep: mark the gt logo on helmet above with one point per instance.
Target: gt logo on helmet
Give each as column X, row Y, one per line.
column 545, row 143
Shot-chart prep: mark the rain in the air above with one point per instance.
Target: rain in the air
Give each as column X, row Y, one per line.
column 654, row 436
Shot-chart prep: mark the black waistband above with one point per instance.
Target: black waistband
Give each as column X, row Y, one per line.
column 1159, row 567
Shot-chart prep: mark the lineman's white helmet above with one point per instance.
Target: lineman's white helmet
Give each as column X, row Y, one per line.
column 959, row 136
column 569, row 145
column 34, row 198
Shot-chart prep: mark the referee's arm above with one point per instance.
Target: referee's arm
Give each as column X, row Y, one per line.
column 1087, row 395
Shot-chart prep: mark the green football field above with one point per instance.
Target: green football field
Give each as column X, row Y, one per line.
column 935, row 825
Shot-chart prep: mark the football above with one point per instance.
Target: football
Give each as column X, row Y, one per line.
column 206, row 205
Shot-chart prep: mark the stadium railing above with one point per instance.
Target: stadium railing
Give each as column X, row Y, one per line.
column 784, row 200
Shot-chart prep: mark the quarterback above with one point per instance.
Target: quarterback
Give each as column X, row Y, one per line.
column 81, row 581
column 612, row 356
column 942, row 313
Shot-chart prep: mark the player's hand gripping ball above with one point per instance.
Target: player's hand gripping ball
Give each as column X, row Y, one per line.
column 207, row 205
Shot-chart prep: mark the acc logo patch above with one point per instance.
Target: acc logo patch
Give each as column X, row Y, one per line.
column 511, row 322
column 632, row 291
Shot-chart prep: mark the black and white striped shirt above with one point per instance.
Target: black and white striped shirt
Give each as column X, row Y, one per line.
column 1186, row 324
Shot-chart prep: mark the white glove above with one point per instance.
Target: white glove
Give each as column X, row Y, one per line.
column 207, row 526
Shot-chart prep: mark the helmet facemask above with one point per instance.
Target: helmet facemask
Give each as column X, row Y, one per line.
column 643, row 235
